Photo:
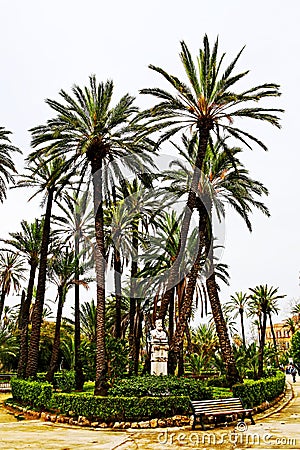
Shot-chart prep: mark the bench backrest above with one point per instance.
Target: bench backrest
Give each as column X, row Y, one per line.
column 219, row 405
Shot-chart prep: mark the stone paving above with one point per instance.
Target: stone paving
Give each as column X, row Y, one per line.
column 276, row 428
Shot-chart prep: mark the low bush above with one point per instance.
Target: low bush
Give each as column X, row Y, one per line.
column 110, row 409
column 153, row 386
column 253, row 393
column 220, row 392
column 31, row 393
column 220, row 381
column 63, row 380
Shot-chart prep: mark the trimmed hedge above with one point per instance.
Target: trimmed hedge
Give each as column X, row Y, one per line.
column 110, row 409
column 253, row 393
column 153, row 386
column 63, row 380
column 31, row 393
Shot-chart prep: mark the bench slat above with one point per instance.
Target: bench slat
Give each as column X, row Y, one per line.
column 222, row 406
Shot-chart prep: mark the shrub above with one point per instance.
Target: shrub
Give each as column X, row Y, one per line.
column 120, row 408
column 63, row 380
column 31, row 393
column 220, row 392
column 220, row 381
column 253, row 393
column 153, row 386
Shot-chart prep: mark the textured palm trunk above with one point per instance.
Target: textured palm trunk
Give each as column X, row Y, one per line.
column 243, row 327
column 138, row 336
column 79, row 377
column 101, row 363
column 132, row 305
column 262, row 346
column 273, row 337
column 2, row 300
column 186, row 307
column 56, row 343
column 190, row 206
column 232, row 373
column 118, row 292
column 24, row 321
column 172, row 357
column 37, row 315
column 221, row 329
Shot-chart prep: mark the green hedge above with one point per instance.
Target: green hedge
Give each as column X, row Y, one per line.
column 63, row 380
column 253, row 393
column 31, row 393
column 153, row 386
column 111, row 409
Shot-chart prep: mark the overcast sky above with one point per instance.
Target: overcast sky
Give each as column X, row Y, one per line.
column 48, row 46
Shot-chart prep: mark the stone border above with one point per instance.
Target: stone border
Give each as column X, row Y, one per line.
column 175, row 421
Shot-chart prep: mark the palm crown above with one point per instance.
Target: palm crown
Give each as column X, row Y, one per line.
column 207, row 101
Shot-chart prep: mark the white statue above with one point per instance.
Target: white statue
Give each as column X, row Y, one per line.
column 158, row 333
column 159, row 350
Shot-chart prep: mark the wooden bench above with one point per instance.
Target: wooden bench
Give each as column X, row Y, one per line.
column 220, row 407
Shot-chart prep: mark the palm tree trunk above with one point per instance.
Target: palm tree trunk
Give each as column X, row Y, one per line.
column 232, row 373
column 37, row 316
column 243, row 327
column 261, row 346
column 138, row 336
column 132, row 305
column 186, row 307
column 171, row 316
column 101, row 363
column 190, row 206
column 273, row 337
column 24, row 320
column 2, row 299
column 118, row 292
column 56, row 343
column 79, row 377
column 221, row 328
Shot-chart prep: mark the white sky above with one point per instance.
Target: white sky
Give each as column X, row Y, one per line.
column 47, row 46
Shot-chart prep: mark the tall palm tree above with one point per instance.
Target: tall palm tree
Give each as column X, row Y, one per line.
column 94, row 135
column 238, row 304
column 223, row 180
column 62, row 270
column 207, row 104
column 7, row 166
column 28, row 242
column 48, row 179
column 262, row 298
column 12, row 271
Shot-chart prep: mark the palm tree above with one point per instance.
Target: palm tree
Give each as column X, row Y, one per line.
column 28, row 241
column 223, row 180
column 261, row 299
column 11, row 274
column 94, row 135
column 62, row 270
column 296, row 311
column 206, row 105
column 291, row 325
column 238, row 304
column 7, row 166
column 49, row 179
